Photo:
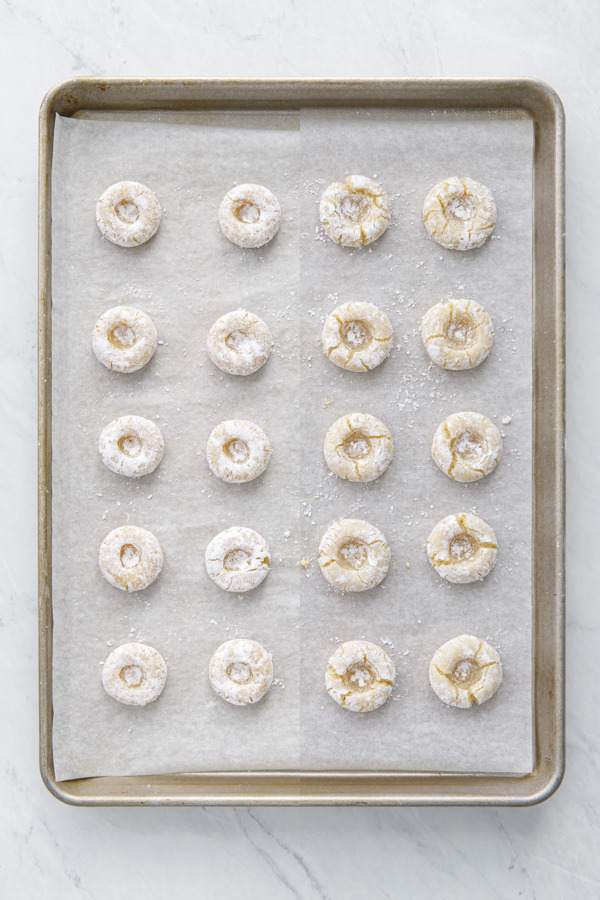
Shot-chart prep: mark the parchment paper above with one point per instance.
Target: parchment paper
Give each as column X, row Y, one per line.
column 186, row 277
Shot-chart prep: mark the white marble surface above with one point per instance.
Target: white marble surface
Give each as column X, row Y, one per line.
column 50, row 850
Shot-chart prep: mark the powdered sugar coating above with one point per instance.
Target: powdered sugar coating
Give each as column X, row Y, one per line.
column 124, row 339
column 360, row 676
column 358, row 447
column 465, row 670
column 459, row 213
column 354, row 212
column 462, row 548
column 239, row 342
column 250, row 215
column 467, row 446
column 130, row 558
column 241, row 671
column 238, row 451
column 237, row 559
column 128, row 213
column 357, row 336
column 354, row 555
column 134, row 674
column 131, row 446
column 457, row 334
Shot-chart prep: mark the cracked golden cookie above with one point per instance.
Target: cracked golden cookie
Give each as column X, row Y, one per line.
column 357, row 336
column 354, row 555
column 462, row 548
column 467, row 446
column 134, row 674
column 124, row 339
column 354, row 212
column 464, row 671
column 459, row 213
column 131, row 446
column 128, row 213
column 457, row 334
column 250, row 215
column 237, row 559
column 360, row 676
column 130, row 558
column 241, row 671
column 238, row 451
column 239, row 342
column 358, row 447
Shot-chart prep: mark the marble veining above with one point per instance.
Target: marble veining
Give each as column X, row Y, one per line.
column 50, row 850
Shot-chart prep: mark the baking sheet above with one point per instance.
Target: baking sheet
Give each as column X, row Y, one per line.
column 185, row 278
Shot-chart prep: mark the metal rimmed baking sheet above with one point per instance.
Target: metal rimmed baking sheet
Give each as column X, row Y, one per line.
column 376, row 94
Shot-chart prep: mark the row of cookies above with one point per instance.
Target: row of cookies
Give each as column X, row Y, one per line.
column 458, row 213
column 359, row 676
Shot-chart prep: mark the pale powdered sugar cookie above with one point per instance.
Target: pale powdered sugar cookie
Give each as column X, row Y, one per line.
column 360, row 676
column 238, row 451
column 241, row 671
column 357, row 336
column 462, row 548
column 239, row 342
column 238, row 559
column 128, row 213
column 134, row 674
column 130, row 558
column 124, row 339
column 358, row 447
column 354, row 555
column 131, row 445
column 354, row 212
column 464, row 671
column 250, row 215
column 459, row 213
column 467, row 446
column 457, row 334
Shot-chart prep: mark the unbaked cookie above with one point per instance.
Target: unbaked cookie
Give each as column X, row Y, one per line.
column 360, row 676
column 467, row 446
column 459, row 213
column 464, row 671
column 131, row 445
column 124, row 339
column 134, row 674
column 357, row 336
column 354, row 555
column 358, row 447
column 241, row 671
column 128, row 213
column 130, row 558
column 457, row 334
column 238, row 559
column 239, row 342
column 462, row 548
column 238, row 451
column 249, row 215
column 354, row 212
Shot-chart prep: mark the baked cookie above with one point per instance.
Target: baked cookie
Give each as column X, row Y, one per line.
column 128, row 213
column 459, row 213
column 464, row 671
column 357, row 336
column 354, row 555
column 358, row 447
column 354, row 212
column 360, row 676
column 241, row 671
column 457, row 334
column 462, row 548
column 467, row 446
